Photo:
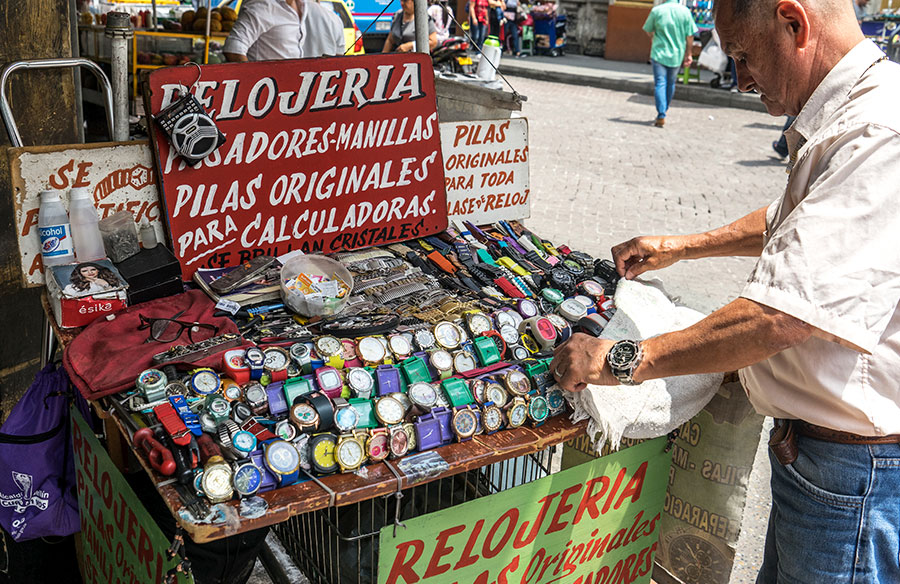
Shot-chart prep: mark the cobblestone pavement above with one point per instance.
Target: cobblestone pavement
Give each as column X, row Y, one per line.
column 601, row 174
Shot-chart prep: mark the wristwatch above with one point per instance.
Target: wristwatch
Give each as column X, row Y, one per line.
column 243, row 442
column 256, row 398
column 491, row 417
column 329, row 380
column 538, row 410
column 478, row 323
column 285, row 430
column 527, row 308
column 448, row 335
column 295, row 388
column 283, row 460
column 324, row 407
column 350, row 451
column 487, row 349
column 457, row 392
column 330, row 350
column 428, row 432
column 400, row 347
column 255, row 359
column 351, row 358
column 246, row 478
column 217, row 407
column 205, row 381
column 223, row 434
column 571, row 309
column 477, row 387
column 268, row 481
column 442, row 361
column 510, row 335
column 216, row 480
column 233, row 362
column 240, row 412
column 302, row 356
column 516, row 382
column 415, row 370
column 377, row 445
column 275, row 398
column 424, row 339
column 541, row 329
column 464, row 422
column 321, row 450
column 398, row 441
column 152, row 384
column 304, row 416
column 556, row 401
column 345, row 417
column 388, row 410
column 496, row 394
column 516, row 412
column 359, row 381
column 231, row 390
column 623, row 358
column 387, row 379
column 366, row 410
column 410, row 430
column 371, row 351
column 276, row 363
column 464, row 361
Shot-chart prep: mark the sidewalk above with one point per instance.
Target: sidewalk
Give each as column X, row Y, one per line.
column 622, row 76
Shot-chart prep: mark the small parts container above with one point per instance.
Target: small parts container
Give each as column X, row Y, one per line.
column 314, row 265
column 120, row 237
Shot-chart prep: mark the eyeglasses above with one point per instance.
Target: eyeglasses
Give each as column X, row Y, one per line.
column 166, row 330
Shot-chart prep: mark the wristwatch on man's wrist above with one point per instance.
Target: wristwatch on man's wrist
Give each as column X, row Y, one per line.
column 624, row 358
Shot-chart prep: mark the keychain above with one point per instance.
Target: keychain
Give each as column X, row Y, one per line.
column 192, row 133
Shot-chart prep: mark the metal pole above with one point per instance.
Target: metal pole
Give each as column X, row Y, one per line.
column 119, row 31
column 422, row 26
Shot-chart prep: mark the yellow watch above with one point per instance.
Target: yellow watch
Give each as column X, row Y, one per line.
column 330, row 350
column 529, row 343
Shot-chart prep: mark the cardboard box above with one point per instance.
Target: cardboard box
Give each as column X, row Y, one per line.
column 81, row 293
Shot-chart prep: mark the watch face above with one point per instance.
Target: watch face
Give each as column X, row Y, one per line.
column 517, row 415
column 218, row 407
column 282, row 457
column 323, row 452
column 349, row 350
column 300, row 352
column 478, row 387
column 555, row 399
column 244, row 441
column 479, row 323
column 464, row 361
column 448, row 335
column 552, row 295
column 240, row 412
column 349, row 453
column 622, row 354
column 538, row 409
column 520, row 353
column 285, row 430
column 572, row 309
column 517, row 382
column 217, row 481
column 558, row 321
column 465, row 423
column 389, row 410
column 527, row 308
column 425, row 339
column 346, row 419
column 328, row 347
column 544, row 329
column 231, row 390
column 504, row 318
column 255, row 393
column 247, row 479
column 410, row 435
column 573, row 266
column 359, row 379
column 491, row 418
column 304, row 414
column 377, row 446
column 399, row 345
column 495, row 393
column 591, row 288
column 235, row 359
column 328, row 379
column 276, row 359
column 442, row 360
column 399, row 443
column 254, row 357
column 583, row 300
column 205, row 382
column 423, row 394
column 371, row 350
column 510, row 334
column 441, row 400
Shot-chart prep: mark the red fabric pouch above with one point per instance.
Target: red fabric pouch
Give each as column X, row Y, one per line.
column 108, row 355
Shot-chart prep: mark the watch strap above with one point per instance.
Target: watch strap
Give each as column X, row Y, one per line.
column 172, row 424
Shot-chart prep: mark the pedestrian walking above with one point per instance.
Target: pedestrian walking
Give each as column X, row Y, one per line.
column 284, row 29
column 671, row 28
column 815, row 332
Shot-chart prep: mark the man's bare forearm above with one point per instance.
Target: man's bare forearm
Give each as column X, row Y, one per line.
column 741, row 333
column 743, row 237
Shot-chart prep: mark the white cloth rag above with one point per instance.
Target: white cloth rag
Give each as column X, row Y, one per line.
column 654, row 407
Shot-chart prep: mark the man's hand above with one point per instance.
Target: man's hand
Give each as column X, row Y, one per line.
column 582, row 360
column 405, row 47
column 642, row 254
column 688, row 59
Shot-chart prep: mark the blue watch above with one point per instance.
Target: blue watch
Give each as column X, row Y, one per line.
column 283, row 460
column 275, row 396
column 255, row 359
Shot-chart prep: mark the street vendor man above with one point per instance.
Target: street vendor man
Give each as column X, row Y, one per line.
column 816, row 329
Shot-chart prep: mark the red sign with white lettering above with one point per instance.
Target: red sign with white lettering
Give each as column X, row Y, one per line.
column 321, row 154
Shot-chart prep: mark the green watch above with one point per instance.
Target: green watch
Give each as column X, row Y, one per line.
column 457, row 392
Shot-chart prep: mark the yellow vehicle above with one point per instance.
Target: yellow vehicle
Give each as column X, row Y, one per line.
column 352, row 36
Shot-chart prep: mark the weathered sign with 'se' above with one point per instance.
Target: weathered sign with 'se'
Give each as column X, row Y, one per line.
column 120, row 542
column 597, row 523
column 486, row 170
column 321, row 155
column 119, row 174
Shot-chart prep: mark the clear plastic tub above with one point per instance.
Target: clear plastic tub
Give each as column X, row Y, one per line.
column 120, row 236
column 314, row 264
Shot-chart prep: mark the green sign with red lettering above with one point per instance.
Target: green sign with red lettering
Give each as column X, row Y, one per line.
column 120, row 542
column 596, row 523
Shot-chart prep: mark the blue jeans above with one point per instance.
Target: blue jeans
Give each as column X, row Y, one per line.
column 478, row 32
column 835, row 515
column 664, row 81
column 512, row 37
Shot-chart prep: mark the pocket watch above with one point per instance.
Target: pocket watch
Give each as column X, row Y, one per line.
column 349, row 452
column 360, row 382
column 516, row 382
column 370, row 350
column 516, row 412
column 321, row 448
column 464, row 361
column 491, row 418
column 388, row 410
column 448, row 335
column 216, row 481
column 377, row 446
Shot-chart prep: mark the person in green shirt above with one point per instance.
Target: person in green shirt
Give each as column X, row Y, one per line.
column 671, row 28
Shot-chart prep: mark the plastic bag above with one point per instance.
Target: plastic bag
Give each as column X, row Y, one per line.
column 712, row 56
column 38, row 495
